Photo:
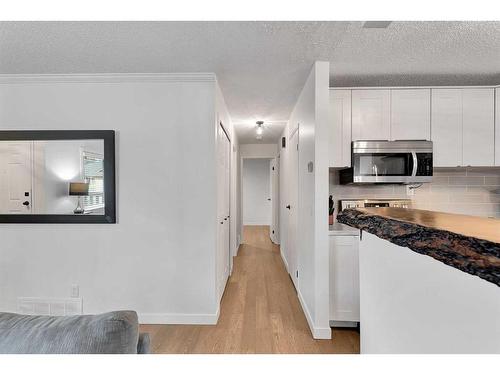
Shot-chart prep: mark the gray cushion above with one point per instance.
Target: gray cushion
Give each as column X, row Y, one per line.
column 114, row 332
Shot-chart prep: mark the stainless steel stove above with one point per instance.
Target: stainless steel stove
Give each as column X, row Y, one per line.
column 356, row 203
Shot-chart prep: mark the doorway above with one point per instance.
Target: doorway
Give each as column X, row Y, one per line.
column 260, row 195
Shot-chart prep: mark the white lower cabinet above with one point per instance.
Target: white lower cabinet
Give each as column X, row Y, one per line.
column 344, row 279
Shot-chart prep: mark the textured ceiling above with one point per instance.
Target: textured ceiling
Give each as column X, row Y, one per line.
column 261, row 66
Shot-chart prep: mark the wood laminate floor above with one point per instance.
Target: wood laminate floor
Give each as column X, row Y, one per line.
column 260, row 312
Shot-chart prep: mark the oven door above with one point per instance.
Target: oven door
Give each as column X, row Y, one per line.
column 385, row 167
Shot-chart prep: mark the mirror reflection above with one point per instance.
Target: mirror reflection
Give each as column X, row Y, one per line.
column 56, row 177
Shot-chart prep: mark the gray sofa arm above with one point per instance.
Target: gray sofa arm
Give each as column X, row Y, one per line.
column 144, row 344
column 110, row 333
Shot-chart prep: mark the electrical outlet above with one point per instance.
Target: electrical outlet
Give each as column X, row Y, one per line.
column 410, row 190
column 75, row 291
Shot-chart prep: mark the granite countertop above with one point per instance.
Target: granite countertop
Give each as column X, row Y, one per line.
column 468, row 243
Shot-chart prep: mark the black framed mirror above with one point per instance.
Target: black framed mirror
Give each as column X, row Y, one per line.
column 57, row 176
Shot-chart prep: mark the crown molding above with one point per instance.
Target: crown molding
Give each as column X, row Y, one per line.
column 107, row 78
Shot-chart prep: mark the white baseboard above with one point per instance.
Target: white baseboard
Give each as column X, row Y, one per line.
column 284, row 260
column 320, row 333
column 203, row 319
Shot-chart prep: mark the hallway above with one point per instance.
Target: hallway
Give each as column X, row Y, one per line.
column 260, row 312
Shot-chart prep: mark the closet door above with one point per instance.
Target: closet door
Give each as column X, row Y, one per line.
column 478, row 127
column 371, row 112
column 446, row 129
column 16, row 177
column 410, row 114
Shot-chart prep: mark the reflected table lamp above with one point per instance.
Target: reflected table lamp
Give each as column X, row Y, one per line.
column 79, row 189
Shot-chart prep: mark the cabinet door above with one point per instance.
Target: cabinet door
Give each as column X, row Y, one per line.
column 497, row 127
column 371, row 115
column 446, row 127
column 340, row 128
column 411, row 114
column 478, row 127
column 344, row 278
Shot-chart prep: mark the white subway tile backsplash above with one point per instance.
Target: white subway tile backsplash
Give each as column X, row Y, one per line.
column 469, row 191
column 492, row 180
column 466, row 180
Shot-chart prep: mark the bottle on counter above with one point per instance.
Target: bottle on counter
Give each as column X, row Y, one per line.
column 330, row 211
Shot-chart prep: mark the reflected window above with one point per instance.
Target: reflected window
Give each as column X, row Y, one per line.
column 93, row 173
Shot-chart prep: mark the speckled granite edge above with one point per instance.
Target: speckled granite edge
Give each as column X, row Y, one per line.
column 472, row 255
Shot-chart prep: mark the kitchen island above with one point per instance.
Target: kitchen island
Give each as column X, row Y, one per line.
column 429, row 281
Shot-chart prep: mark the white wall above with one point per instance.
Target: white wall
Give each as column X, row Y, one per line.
column 310, row 114
column 414, row 304
column 160, row 258
column 256, row 191
column 267, row 151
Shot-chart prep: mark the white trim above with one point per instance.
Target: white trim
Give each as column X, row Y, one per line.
column 319, row 333
column 411, row 87
column 284, row 259
column 202, row 319
column 107, row 78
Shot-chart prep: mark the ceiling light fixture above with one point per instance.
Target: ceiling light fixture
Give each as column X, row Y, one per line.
column 259, row 127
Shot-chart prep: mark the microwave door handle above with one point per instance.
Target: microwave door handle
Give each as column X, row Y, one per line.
column 415, row 164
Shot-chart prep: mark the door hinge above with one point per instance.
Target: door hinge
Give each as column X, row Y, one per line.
column 273, row 168
column 297, row 147
column 273, row 231
column 297, row 274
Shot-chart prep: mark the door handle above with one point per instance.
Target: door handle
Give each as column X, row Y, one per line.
column 288, row 206
column 26, row 203
column 268, row 199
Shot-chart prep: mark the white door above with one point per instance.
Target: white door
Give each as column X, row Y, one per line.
column 371, row 115
column 283, row 199
column 223, row 217
column 478, row 127
column 274, row 189
column 340, row 128
column 410, row 114
column 15, row 177
column 293, row 195
column 446, row 131
column 227, row 201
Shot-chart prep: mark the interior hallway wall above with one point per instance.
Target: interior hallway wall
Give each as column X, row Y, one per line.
column 256, row 192
column 159, row 259
column 310, row 115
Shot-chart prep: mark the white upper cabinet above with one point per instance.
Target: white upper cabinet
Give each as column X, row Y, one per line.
column 340, row 128
column 371, row 115
column 497, row 128
column 478, row 116
column 410, row 114
column 463, row 127
column 446, row 132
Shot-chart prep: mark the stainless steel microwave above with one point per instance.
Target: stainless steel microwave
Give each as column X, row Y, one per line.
column 389, row 162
